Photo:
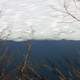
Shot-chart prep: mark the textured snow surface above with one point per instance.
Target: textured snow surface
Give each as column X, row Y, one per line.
column 45, row 19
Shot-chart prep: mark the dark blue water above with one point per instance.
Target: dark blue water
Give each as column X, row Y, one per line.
column 42, row 50
column 55, row 49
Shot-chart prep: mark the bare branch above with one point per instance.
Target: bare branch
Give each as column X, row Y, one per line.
column 74, row 17
column 66, row 11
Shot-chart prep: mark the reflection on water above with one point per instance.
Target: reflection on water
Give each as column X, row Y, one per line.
column 43, row 52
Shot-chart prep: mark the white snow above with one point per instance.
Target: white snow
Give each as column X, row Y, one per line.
column 46, row 18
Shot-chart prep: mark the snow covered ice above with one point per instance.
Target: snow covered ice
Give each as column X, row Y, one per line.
column 46, row 18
